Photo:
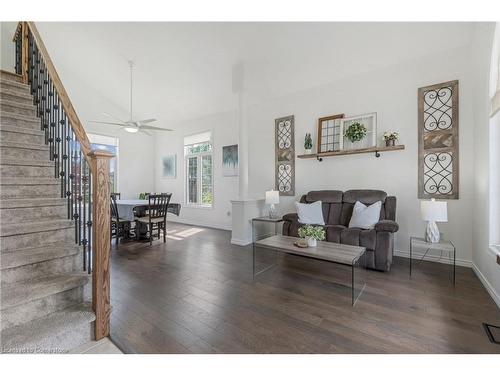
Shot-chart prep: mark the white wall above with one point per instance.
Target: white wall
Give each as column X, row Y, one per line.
column 484, row 260
column 7, row 49
column 392, row 93
column 224, row 133
column 136, row 159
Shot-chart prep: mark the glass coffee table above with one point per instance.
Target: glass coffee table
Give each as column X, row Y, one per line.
column 351, row 256
column 444, row 246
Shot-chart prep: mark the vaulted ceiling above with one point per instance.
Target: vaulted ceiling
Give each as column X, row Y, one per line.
column 184, row 70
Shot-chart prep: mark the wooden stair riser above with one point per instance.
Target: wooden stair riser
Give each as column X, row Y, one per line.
column 68, row 264
column 22, row 153
column 20, row 314
column 13, row 107
column 30, row 122
column 16, row 136
column 21, row 241
column 29, row 191
column 23, row 214
column 26, row 171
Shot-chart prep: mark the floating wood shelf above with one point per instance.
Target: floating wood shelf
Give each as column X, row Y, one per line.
column 375, row 150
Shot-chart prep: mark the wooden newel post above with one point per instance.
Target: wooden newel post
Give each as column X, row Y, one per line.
column 101, row 244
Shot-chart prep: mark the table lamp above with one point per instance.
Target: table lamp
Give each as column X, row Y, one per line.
column 432, row 212
column 272, row 198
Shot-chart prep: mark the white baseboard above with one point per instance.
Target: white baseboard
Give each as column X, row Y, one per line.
column 487, row 285
column 434, row 258
column 236, row 241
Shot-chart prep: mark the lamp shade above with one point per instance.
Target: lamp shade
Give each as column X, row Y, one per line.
column 272, row 197
column 434, row 211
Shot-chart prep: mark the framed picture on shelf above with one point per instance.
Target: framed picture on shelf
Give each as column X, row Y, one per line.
column 368, row 121
column 330, row 133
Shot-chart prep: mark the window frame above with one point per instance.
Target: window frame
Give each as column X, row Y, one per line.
column 199, row 156
column 117, row 155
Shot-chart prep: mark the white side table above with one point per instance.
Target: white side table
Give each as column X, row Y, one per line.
column 445, row 246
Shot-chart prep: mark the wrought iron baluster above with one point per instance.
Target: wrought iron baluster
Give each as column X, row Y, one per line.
column 80, row 198
column 89, row 222
column 84, row 213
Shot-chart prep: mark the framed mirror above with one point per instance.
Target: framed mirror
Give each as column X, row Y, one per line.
column 330, row 135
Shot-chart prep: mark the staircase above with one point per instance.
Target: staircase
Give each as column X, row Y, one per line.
column 44, row 292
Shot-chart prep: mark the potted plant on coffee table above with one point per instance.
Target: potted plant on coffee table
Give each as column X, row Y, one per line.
column 312, row 234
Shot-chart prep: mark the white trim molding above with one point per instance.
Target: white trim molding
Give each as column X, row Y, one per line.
column 487, row 285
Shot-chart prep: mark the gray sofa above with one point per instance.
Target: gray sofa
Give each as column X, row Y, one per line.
column 337, row 211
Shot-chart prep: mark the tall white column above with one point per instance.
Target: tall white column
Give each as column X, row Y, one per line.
column 243, row 208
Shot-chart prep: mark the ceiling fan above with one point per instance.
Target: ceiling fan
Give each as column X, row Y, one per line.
column 132, row 126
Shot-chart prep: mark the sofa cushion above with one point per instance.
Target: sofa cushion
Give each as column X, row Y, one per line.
column 365, row 217
column 350, row 236
column 368, row 238
column 310, row 213
column 332, row 203
column 333, row 232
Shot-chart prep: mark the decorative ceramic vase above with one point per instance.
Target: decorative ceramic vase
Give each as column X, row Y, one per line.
column 390, row 142
column 311, row 241
column 308, row 151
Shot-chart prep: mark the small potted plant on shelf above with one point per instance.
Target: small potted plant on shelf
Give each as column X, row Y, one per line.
column 355, row 132
column 308, row 144
column 390, row 138
column 312, row 234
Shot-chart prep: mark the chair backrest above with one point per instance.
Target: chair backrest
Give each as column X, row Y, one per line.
column 114, row 207
column 116, row 195
column 158, row 205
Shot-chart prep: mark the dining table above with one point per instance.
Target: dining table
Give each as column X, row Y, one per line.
column 130, row 209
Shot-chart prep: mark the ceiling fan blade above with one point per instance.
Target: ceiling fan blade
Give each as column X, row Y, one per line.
column 115, row 118
column 107, row 123
column 146, row 132
column 147, row 121
column 155, row 128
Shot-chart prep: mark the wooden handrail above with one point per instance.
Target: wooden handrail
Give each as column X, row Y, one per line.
column 74, row 121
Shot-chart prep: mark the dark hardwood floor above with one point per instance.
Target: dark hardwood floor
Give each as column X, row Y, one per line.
column 195, row 294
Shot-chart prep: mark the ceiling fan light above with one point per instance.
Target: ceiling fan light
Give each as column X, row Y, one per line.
column 131, row 129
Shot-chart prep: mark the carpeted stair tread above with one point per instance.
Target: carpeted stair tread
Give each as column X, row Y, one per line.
column 31, row 255
column 27, row 146
column 27, row 162
column 34, row 227
column 17, row 104
column 18, row 129
column 55, row 332
column 14, row 294
column 11, row 83
column 31, row 202
column 19, row 116
column 29, row 181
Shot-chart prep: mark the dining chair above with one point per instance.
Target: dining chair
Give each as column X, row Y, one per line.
column 156, row 217
column 120, row 228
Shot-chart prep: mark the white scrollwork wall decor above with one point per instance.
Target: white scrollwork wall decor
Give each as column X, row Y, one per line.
column 285, row 155
column 438, row 141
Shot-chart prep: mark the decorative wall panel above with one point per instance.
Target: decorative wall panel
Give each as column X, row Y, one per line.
column 438, row 156
column 285, row 155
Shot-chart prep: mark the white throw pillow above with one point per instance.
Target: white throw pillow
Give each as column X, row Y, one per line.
column 310, row 213
column 365, row 217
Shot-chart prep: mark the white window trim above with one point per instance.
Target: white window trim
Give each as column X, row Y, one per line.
column 117, row 145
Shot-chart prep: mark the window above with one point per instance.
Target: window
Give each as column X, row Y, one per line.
column 110, row 144
column 199, row 169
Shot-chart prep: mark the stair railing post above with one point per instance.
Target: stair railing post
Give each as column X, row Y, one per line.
column 24, row 51
column 101, row 245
